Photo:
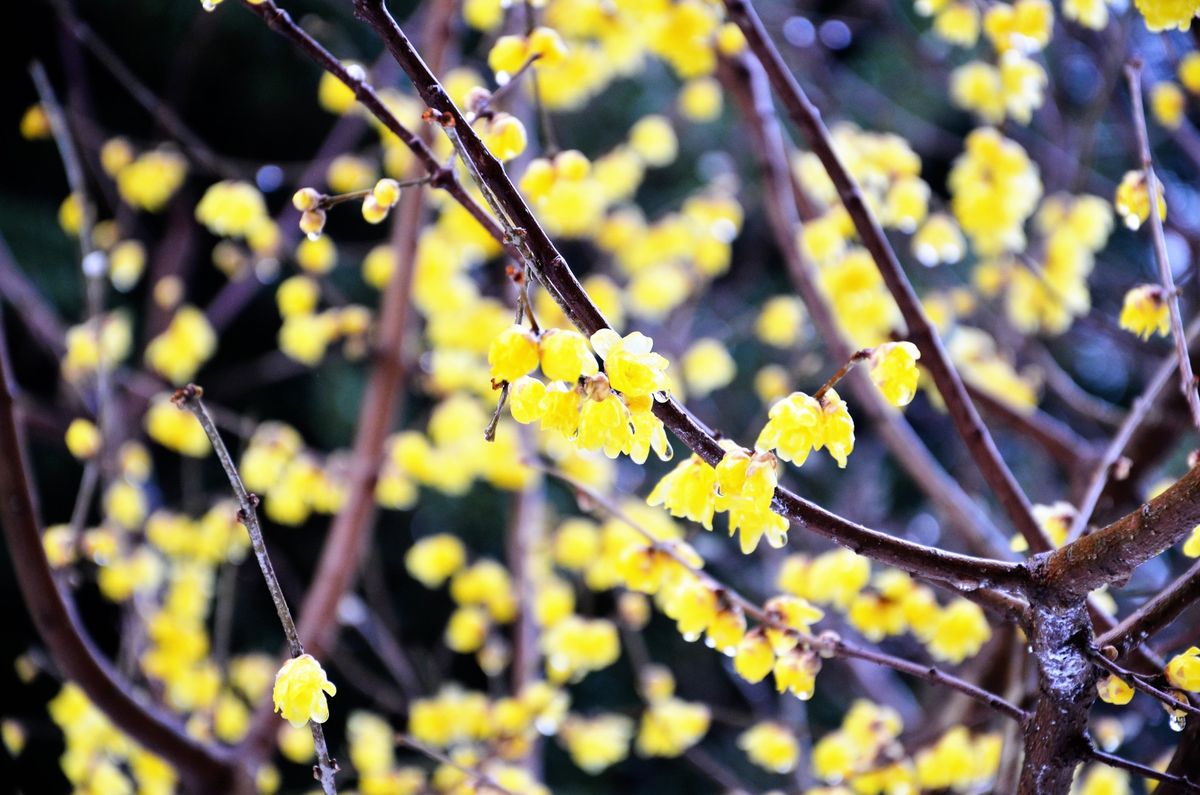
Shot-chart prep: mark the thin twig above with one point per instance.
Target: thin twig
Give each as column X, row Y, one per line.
column 854, row 359
column 476, row 775
column 1145, row 771
column 1187, row 381
column 1140, row 682
column 1133, row 419
column 189, row 399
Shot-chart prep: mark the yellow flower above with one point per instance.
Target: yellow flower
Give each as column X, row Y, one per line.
column 771, row 746
column 780, row 321
column 746, row 484
column 631, row 367
column 793, row 428
column 504, row 136
column 894, row 370
column 35, row 124
column 1145, row 312
column 83, row 438
column 1133, row 199
column 1189, row 71
column 1183, row 670
column 958, row 24
column 654, row 140
column 597, row 743
column 232, row 209
column 525, row 397
column 434, row 559
column 689, row 491
column 1191, row 547
column 300, row 690
column 700, row 99
column 671, row 726
column 513, row 354
column 187, row 343
column 648, row 432
column 1168, row 104
column 1114, row 690
column 755, row 657
column 707, row 366
column 958, row 632
column 1168, row 14
column 796, row 673
column 565, row 355
column 560, row 408
column 605, row 424
column 333, row 95
column 1089, row 13
column 938, row 241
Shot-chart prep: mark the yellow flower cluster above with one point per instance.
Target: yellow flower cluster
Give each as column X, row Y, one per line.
column 887, row 604
column 145, row 181
column 1049, row 295
column 994, row 188
column 180, row 350
column 612, row 411
column 104, row 341
column 668, row 260
column 975, row 354
column 1168, row 14
column 98, row 757
column 460, row 720
column 293, row 481
column 800, row 424
column 1014, row 88
column 743, row 484
column 1132, row 199
column 1145, row 312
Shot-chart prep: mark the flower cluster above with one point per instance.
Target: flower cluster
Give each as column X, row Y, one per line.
column 610, row 411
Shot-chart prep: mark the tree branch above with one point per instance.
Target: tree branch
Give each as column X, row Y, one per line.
column 552, row 271
column 962, row 411
column 1187, row 381
column 1109, row 555
column 747, row 83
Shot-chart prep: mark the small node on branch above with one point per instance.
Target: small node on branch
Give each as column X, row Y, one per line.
column 442, row 117
column 185, row 395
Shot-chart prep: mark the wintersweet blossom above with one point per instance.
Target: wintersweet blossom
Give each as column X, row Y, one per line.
column 300, row 690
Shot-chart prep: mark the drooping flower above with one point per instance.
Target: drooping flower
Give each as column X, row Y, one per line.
column 300, row 690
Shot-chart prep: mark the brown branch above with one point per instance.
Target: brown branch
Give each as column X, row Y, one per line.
column 826, row 642
column 1139, row 682
column 1133, row 420
column 553, row 272
column 747, row 83
column 189, row 398
column 1109, row 555
column 204, row 768
column 281, row 22
column 962, row 411
column 1055, row 437
column 1187, row 381
column 1181, row 782
column 1156, row 613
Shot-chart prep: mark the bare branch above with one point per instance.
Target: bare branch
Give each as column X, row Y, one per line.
column 1187, row 381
